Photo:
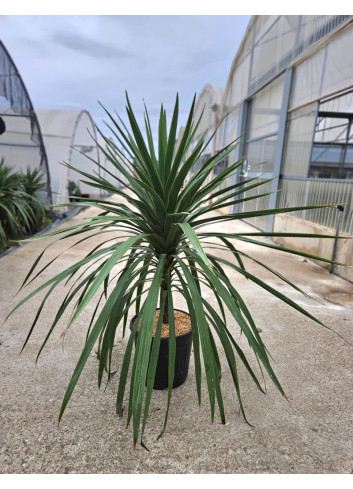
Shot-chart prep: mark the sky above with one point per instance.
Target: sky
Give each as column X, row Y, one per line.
column 73, row 62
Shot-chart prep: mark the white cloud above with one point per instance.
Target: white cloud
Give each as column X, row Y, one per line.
column 74, row 61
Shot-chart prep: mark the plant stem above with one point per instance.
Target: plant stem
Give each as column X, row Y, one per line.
column 164, row 289
column 166, row 311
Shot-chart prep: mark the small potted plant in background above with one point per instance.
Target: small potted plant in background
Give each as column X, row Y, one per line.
column 160, row 248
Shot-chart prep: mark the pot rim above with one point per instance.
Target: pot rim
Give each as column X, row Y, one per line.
column 165, row 338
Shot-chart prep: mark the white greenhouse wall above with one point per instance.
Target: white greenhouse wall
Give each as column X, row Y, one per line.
column 287, row 72
column 66, row 135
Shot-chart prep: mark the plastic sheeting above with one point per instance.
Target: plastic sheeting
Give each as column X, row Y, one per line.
column 109, row 171
column 68, row 136
column 307, row 80
column 208, row 102
column 263, row 125
column 339, row 64
column 21, row 144
column 300, row 130
column 208, row 105
column 265, row 110
column 314, row 52
column 228, row 129
column 270, row 55
column 272, row 43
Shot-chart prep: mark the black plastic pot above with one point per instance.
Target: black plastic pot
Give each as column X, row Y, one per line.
column 182, row 359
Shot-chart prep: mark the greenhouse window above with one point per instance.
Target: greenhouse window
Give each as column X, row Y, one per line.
column 332, row 151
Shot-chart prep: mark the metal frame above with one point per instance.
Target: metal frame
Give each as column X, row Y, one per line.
column 242, row 126
column 331, row 114
column 33, row 116
column 280, row 145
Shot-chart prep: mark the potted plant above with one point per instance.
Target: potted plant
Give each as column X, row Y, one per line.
column 161, row 244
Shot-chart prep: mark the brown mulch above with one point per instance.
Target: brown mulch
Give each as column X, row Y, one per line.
column 182, row 324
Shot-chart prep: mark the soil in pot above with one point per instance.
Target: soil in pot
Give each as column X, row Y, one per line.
column 183, row 340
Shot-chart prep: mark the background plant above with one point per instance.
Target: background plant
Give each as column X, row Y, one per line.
column 74, row 189
column 22, row 210
column 161, row 244
column 33, row 185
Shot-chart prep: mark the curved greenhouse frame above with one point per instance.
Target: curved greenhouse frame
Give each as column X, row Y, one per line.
column 68, row 137
column 21, row 142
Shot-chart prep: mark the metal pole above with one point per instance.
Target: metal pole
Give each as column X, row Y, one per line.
column 339, row 222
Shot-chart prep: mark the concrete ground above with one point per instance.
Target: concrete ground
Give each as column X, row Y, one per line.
column 311, row 434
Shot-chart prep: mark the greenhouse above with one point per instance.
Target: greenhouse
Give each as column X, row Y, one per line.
column 69, row 136
column 208, row 108
column 289, row 98
column 107, row 170
column 21, row 142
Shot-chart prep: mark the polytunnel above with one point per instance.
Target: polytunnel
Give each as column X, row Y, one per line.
column 209, row 102
column 208, row 105
column 108, row 170
column 69, row 136
column 21, row 142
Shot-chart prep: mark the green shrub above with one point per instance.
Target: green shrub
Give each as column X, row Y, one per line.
column 32, row 184
column 22, row 211
column 74, row 190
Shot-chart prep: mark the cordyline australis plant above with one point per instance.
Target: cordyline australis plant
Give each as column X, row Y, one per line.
column 159, row 248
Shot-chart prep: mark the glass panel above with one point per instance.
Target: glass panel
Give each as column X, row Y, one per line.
column 331, row 170
column 332, row 142
column 349, row 155
column 326, row 154
column 331, row 129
